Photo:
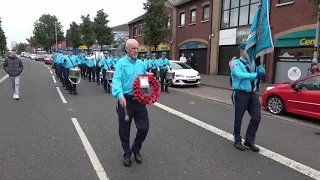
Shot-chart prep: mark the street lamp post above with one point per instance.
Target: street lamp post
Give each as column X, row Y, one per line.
column 55, row 25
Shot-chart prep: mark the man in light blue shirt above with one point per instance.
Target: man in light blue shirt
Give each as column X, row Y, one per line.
column 71, row 61
column 164, row 65
column 90, row 65
column 127, row 70
column 106, row 64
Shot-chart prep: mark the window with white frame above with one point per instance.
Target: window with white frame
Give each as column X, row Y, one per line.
column 193, row 16
column 206, row 12
column 182, row 19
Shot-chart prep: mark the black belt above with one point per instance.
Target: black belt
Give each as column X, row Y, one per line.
column 129, row 97
column 238, row 90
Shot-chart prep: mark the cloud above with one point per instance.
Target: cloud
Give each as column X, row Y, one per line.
column 18, row 16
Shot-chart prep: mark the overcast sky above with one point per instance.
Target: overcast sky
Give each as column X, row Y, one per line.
column 18, row 15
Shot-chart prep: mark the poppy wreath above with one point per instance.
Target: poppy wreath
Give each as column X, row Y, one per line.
column 142, row 97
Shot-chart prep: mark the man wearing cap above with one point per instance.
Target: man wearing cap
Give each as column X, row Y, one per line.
column 106, row 64
column 62, row 67
column 127, row 70
column 83, row 65
column 244, row 97
column 153, row 64
column 71, row 61
column 313, row 69
column 55, row 62
column 164, row 65
column 98, row 57
column 90, row 65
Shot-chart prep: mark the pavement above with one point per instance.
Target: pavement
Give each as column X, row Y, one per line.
column 48, row 135
column 223, row 82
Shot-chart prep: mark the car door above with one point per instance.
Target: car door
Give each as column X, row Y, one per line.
column 306, row 101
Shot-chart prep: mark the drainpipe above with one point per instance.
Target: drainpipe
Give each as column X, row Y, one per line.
column 316, row 44
column 210, row 38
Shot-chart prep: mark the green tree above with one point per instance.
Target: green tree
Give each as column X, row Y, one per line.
column 20, row 47
column 74, row 35
column 155, row 22
column 101, row 29
column 87, row 32
column 3, row 40
column 44, row 31
column 33, row 41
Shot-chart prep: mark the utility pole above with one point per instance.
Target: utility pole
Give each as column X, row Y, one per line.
column 316, row 44
column 55, row 25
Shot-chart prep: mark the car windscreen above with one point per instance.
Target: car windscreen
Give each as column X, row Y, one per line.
column 179, row 66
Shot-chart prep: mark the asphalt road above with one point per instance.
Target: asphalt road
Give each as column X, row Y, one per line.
column 39, row 138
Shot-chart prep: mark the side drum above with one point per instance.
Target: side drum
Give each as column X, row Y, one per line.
column 109, row 75
column 170, row 75
column 74, row 73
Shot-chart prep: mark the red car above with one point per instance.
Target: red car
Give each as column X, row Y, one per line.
column 299, row 97
column 48, row 60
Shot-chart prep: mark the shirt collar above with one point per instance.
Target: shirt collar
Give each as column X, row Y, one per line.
column 130, row 60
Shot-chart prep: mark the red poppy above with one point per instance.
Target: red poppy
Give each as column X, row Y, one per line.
column 144, row 98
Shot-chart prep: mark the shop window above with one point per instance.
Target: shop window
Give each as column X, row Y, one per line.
column 135, row 31
column 238, row 12
column 285, row 1
column 206, row 11
column 182, row 19
column 306, row 52
column 193, row 16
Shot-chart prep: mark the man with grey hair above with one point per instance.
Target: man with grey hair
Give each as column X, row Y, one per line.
column 128, row 69
column 14, row 67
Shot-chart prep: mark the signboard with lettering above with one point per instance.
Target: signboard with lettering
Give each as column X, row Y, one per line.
column 162, row 47
column 143, row 48
column 242, row 34
column 193, row 45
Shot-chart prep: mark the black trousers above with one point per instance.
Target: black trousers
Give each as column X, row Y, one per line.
column 61, row 75
column 106, row 83
column 57, row 69
column 242, row 102
column 139, row 113
column 92, row 73
column 98, row 69
column 83, row 68
column 71, row 87
column 164, row 82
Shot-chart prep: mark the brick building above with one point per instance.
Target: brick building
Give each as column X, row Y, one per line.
column 293, row 24
column 168, row 45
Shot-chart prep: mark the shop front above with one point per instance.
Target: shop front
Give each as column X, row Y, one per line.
column 162, row 47
column 199, row 50
column 293, row 55
column 229, row 40
column 142, row 50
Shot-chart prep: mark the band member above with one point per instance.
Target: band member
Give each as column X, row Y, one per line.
column 127, row 70
column 164, row 65
column 106, row 64
column 115, row 59
column 97, row 58
column 83, row 65
column 56, row 64
column 152, row 64
column 244, row 97
column 62, row 67
column 90, row 65
column 71, row 61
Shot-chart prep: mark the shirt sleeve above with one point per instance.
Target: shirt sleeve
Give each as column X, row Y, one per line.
column 236, row 70
column 261, row 69
column 116, row 82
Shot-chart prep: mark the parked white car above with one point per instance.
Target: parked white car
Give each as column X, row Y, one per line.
column 184, row 74
column 33, row 57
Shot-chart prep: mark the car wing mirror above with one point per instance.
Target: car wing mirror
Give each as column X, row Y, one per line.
column 296, row 89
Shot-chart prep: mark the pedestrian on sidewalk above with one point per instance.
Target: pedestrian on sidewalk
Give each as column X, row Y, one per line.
column 313, row 69
column 230, row 64
column 183, row 59
column 128, row 108
column 14, row 67
column 245, row 98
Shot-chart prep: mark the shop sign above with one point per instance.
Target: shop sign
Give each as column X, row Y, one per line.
column 242, row 34
column 307, row 42
column 143, row 48
column 83, row 47
column 301, row 60
column 162, row 47
column 227, row 37
column 294, row 73
column 193, row 45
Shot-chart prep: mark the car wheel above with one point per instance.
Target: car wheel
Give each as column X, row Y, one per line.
column 275, row 105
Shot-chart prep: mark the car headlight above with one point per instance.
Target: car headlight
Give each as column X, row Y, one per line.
column 269, row 88
column 179, row 75
column 198, row 74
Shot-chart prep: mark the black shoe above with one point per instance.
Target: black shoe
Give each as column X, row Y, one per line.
column 252, row 147
column 239, row 146
column 138, row 158
column 127, row 162
column 98, row 84
column 75, row 93
column 89, row 80
column 105, row 91
column 65, row 88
